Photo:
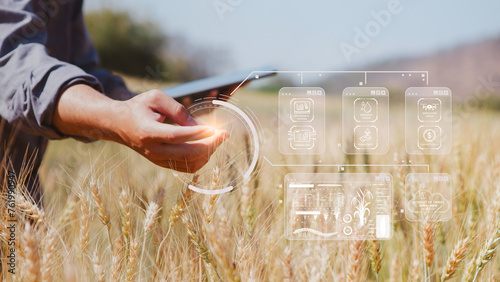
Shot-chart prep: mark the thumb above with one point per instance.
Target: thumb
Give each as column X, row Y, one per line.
column 173, row 110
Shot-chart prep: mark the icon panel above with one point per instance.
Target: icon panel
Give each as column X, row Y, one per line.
column 365, row 120
column 428, row 197
column 428, row 121
column 301, row 120
column 333, row 206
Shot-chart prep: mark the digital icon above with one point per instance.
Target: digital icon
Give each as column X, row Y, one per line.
column 365, row 110
column 429, row 196
column 429, row 110
column 361, row 203
column 429, row 137
column 302, row 137
column 347, row 218
column 426, row 203
column 365, row 137
column 302, row 110
column 347, row 230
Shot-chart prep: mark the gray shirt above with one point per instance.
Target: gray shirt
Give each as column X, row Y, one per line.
column 44, row 49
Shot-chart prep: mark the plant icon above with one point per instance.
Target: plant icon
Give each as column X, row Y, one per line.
column 361, row 203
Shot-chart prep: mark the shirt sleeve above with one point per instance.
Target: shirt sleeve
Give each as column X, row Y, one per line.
column 32, row 80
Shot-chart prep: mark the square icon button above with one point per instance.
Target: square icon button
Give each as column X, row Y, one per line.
column 302, row 137
column 429, row 137
column 365, row 110
column 429, row 109
column 302, row 110
column 366, row 137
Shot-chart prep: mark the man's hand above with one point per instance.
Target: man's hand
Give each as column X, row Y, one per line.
column 138, row 124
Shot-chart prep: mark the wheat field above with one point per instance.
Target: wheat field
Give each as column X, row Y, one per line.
column 110, row 215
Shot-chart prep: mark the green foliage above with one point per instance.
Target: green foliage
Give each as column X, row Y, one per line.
column 126, row 45
column 140, row 48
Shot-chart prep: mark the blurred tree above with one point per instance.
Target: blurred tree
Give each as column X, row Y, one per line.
column 126, row 45
column 140, row 48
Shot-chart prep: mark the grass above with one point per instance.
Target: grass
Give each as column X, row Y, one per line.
column 110, row 215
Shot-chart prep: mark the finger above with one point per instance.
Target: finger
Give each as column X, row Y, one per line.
column 173, row 110
column 189, row 152
column 173, row 134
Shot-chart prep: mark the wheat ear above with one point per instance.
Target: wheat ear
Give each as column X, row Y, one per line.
column 354, row 259
column 428, row 232
column 177, row 211
column 375, row 257
column 69, row 211
column 98, row 269
column 212, row 199
column 85, row 223
column 48, row 254
column 102, row 212
column 132, row 260
column 455, row 259
column 394, row 269
column 488, row 251
column 30, row 208
column 151, row 216
column 200, row 246
column 32, row 255
column 415, row 270
column 116, row 260
column 287, row 264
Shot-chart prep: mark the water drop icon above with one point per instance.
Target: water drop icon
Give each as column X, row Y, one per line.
column 366, row 107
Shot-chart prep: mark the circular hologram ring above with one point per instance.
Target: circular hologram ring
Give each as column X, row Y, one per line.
column 253, row 164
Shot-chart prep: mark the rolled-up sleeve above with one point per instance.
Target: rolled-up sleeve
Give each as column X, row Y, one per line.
column 31, row 80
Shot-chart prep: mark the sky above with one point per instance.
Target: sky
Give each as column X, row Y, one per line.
column 317, row 35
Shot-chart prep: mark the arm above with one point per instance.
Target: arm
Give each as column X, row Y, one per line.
column 31, row 79
column 138, row 123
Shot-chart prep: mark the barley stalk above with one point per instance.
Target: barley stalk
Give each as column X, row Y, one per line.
column 354, row 259
column 394, row 269
column 288, row 264
column 99, row 204
column 124, row 204
column 181, row 204
column 69, row 211
column 132, row 260
column 470, row 270
column 84, row 223
column 415, row 270
column 48, row 254
column 102, row 212
column 32, row 255
column 488, row 251
column 98, row 269
column 177, row 211
column 375, row 257
column 116, row 260
column 200, row 246
column 212, row 199
column 455, row 259
column 218, row 239
column 30, row 208
column 428, row 232
column 151, row 216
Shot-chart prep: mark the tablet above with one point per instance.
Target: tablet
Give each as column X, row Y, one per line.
column 223, row 84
